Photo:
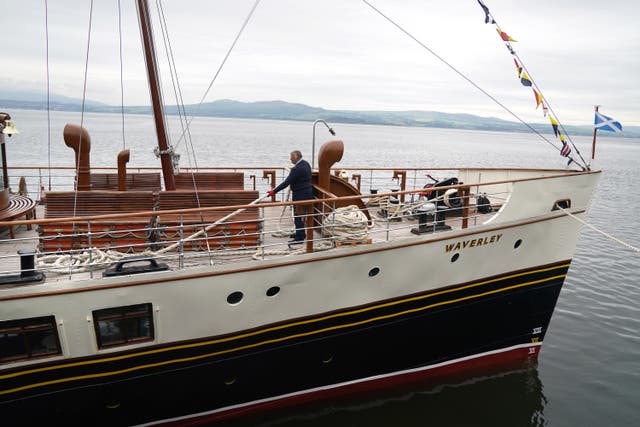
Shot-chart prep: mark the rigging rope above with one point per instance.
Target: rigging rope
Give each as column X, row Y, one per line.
column 471, row 82
column 608, row 236
column 186, row 129
column 182, row 115
column 490, row 18
column 224, row 60
column 124, row 144
column 46, row 30
column 84, row 97
column 177, row 91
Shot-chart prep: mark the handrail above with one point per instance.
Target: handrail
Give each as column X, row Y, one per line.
column 270, row 204
column 185, row 168
column 276, row 204
column 283, row 168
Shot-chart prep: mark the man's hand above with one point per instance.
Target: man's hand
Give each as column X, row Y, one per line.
column 271, row 193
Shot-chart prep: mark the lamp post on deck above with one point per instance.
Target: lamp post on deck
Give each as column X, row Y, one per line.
column 313, row 142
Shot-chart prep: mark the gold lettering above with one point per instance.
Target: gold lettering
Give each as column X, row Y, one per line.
column 472, row 243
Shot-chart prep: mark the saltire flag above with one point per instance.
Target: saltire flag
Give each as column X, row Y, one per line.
column 566, row 150
column 538, row 98
column 524, row 79
column 506, row 37
column 603, row 122
column 554, row 124
column 487, row 15
column 545, row 109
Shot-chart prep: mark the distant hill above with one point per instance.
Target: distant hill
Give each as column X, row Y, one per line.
column 281, row 110
column 38, row 101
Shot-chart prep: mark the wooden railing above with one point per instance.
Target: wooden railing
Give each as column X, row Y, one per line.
column 256, row 229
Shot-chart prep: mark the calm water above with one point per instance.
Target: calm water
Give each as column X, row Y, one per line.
column 588, row 373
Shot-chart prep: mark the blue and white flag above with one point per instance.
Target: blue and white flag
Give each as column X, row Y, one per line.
column 603, row 122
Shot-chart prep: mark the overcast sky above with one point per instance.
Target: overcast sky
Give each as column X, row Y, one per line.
column 341, row 54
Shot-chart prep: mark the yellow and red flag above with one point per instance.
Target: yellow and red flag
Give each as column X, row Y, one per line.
column 504, row 36
column 538, row 97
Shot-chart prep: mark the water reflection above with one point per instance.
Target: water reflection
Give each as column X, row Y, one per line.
column 510, row 398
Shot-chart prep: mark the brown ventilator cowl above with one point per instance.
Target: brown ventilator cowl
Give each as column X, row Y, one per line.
column 330, row 152
column 77, row 138
column 123, row 159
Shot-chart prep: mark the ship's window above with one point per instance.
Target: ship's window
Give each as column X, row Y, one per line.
column 123, row 325
column 235, row 298
column 374, row 271
column 455, row 257
column 273, row 291
column 24, row 339
column 517, row 244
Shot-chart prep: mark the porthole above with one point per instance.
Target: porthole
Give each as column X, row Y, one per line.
column 517, row 244
column 561, row 204
column 273, row 291
column 235, row 298
column 328, row 358
column 374, row 271
column 455, row 257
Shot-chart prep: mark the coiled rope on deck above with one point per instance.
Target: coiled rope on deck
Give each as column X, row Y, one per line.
column 80, row 262
column 346, row 223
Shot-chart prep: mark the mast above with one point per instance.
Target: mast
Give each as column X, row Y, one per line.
column 156, row 97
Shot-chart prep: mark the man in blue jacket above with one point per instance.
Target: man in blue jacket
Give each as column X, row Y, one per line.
column 299, row 180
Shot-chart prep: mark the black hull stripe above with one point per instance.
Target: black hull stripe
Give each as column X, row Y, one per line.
column 193, row 419
column 328, row 323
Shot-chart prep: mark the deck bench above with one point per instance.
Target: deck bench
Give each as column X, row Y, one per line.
column 18, row 206
column 129, row 234
column 147, row 181
column 209, row 181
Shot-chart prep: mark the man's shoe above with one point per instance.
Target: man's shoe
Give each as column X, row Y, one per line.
column 294, row 242
column 292, row 235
